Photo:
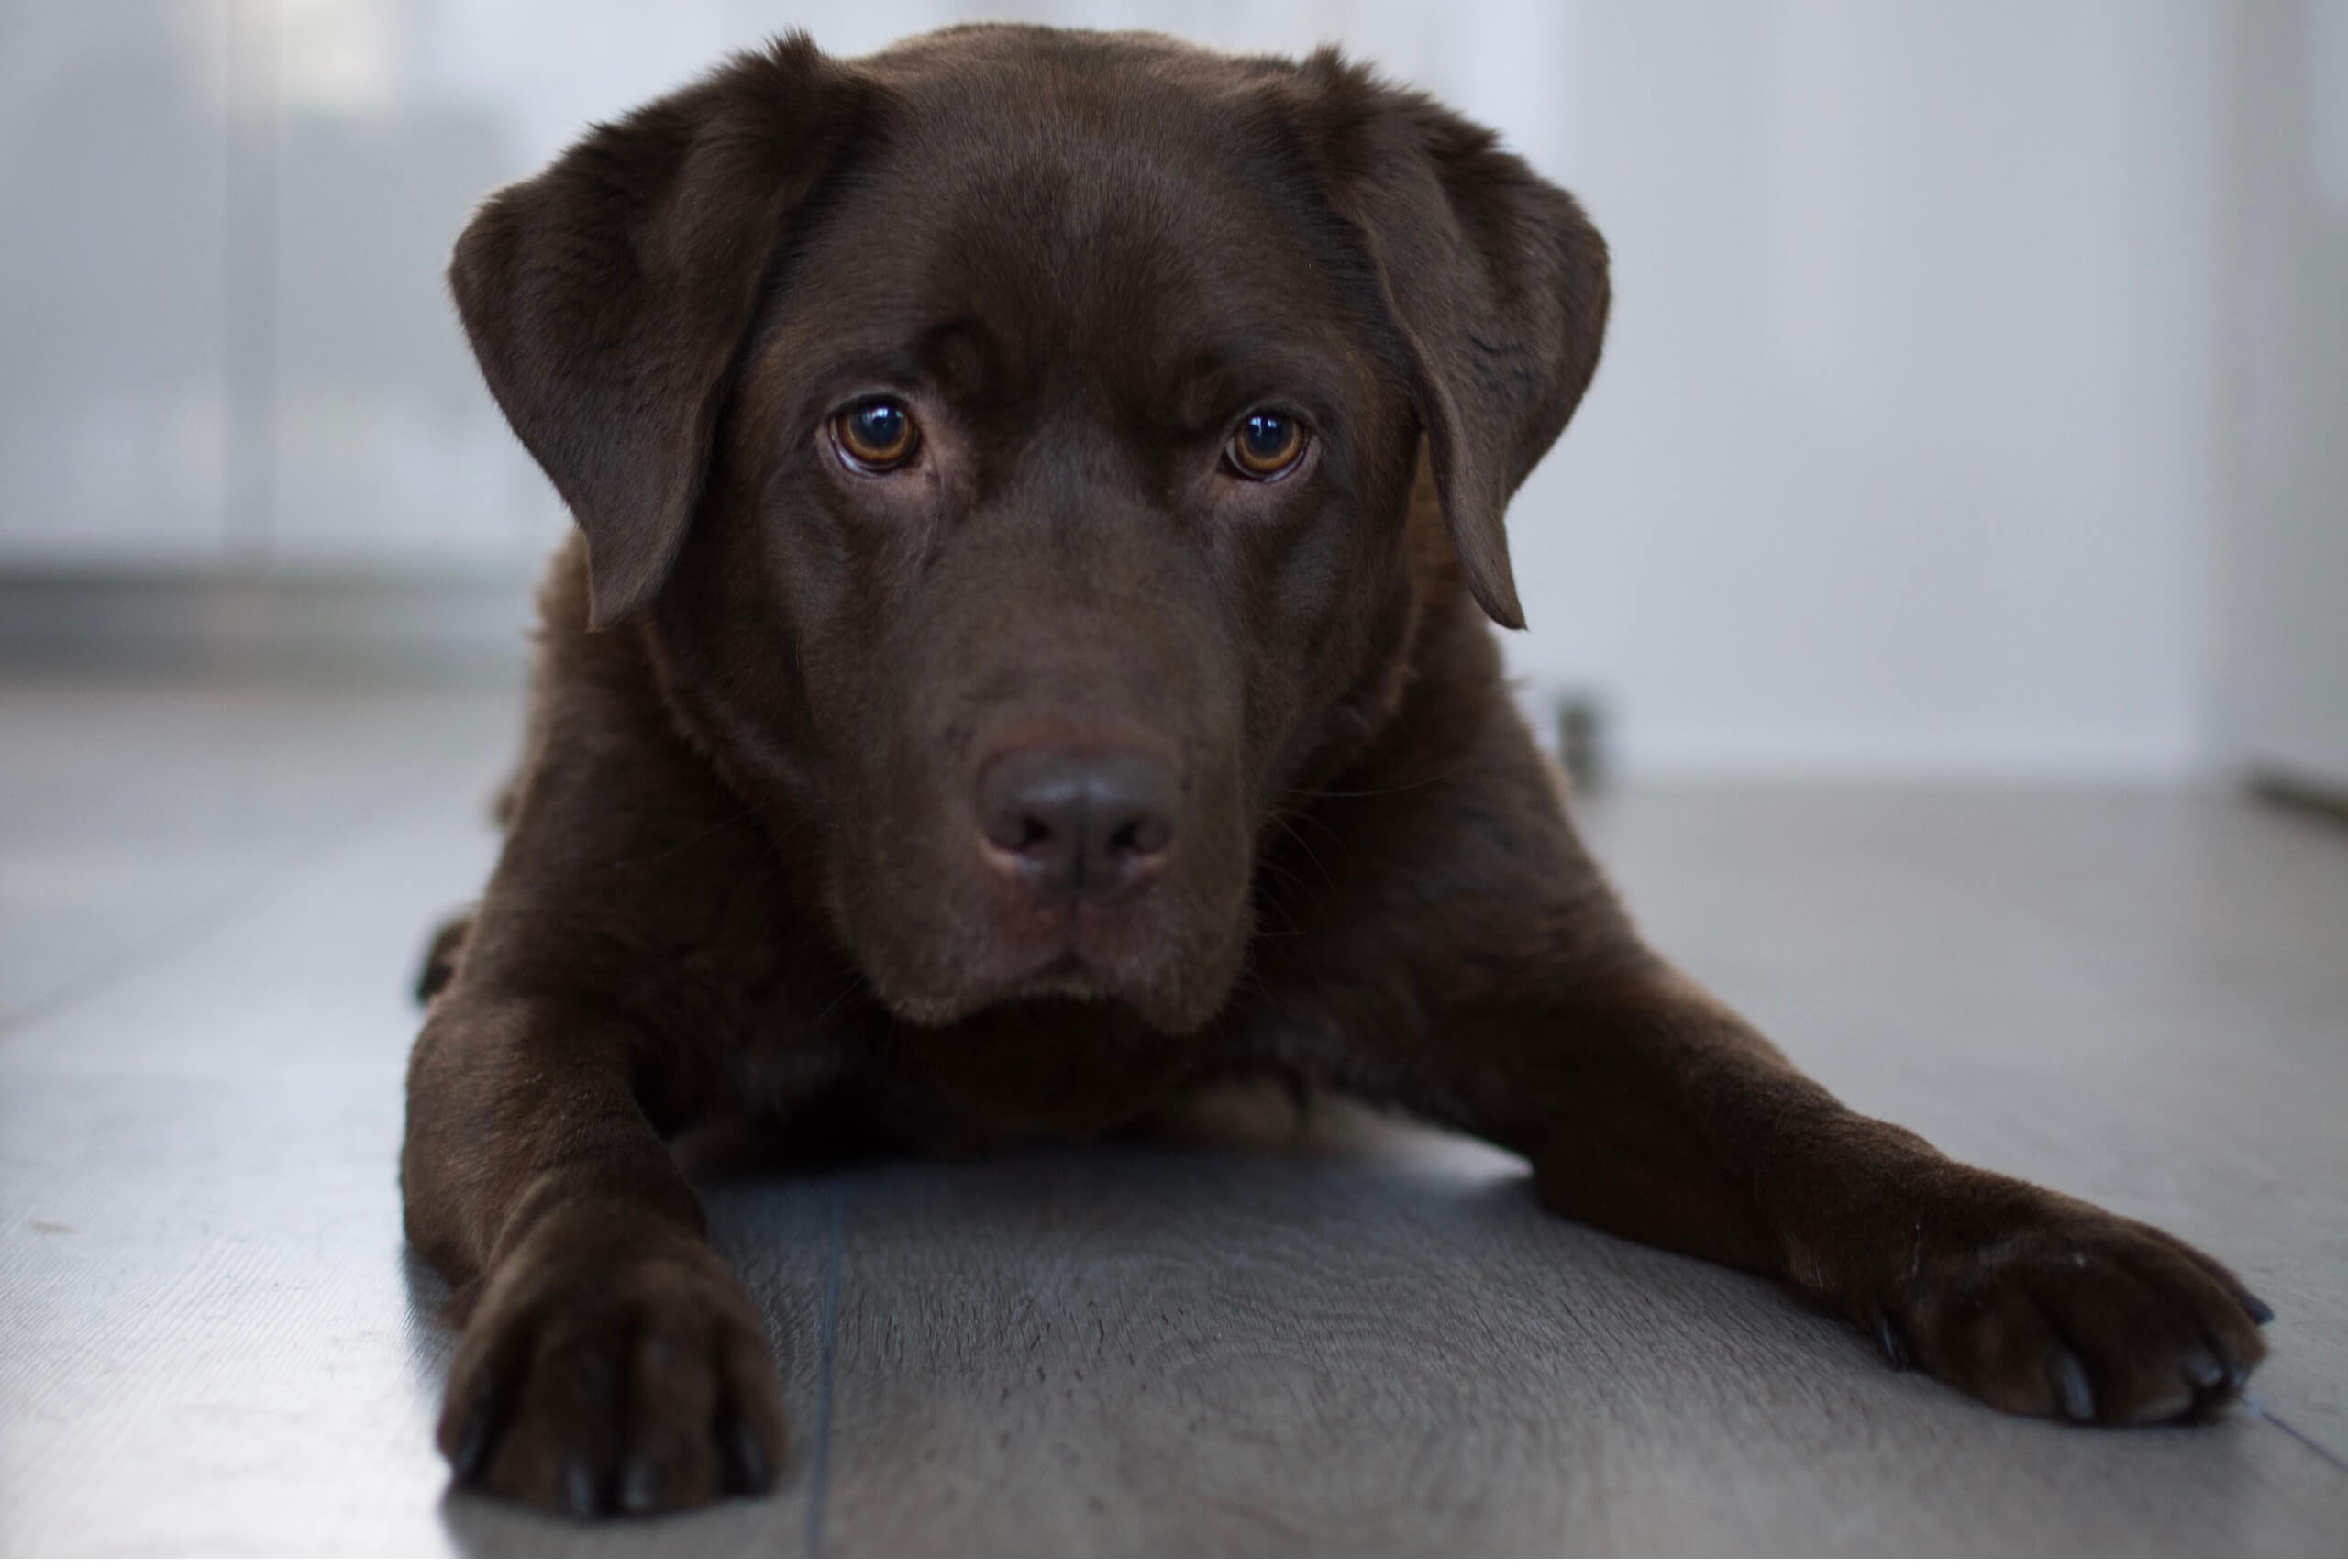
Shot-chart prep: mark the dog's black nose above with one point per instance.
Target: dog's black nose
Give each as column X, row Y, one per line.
column 1077, row 823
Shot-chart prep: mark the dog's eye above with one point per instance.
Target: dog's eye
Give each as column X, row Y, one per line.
column 875, row 435
column 1266, row 446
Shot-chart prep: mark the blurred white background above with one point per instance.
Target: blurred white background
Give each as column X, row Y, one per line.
column 1976, row 404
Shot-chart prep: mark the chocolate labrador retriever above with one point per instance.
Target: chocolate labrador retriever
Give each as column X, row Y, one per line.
column 1022, row 658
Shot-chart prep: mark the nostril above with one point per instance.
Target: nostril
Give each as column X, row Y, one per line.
column 1016, row 831
column 1143, row 836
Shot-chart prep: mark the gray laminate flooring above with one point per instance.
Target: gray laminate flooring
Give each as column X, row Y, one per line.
column 212, row 894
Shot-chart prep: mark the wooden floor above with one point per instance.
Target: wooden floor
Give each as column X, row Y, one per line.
column 211, row 1341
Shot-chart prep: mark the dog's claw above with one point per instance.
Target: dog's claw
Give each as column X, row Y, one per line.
column 746, row 1469
column 1895, row 1349
column 2260, row 1313
column 472, row 1451
column 2073, row 1395
column 579, row 1488
column 2201, row 1369
column 638, row 1489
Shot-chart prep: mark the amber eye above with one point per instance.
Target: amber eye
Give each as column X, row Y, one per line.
column 1266, row 446
column 876, row 435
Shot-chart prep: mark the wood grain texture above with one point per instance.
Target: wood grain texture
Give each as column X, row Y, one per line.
column 1158, row 1353
column 211, row 1338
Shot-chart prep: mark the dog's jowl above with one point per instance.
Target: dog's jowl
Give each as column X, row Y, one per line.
column 1024, row 656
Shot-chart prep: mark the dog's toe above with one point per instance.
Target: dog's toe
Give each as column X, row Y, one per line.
column 2080, row 1317
column 589, row 1393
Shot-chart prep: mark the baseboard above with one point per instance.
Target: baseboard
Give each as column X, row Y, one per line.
column 433, row 628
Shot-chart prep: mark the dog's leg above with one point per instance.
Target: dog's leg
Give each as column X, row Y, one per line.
column 609, row 1360
column 1521, row 1006
column 1650, row 1110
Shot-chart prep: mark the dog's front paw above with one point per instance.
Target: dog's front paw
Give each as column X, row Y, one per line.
column 2043, row 1307
column 612, row 1366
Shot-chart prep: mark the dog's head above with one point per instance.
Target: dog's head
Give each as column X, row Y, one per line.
column 1004, row 442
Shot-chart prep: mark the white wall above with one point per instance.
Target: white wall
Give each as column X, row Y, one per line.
column 1904, row 455
column 1912, row 451
column 113, row 273
column 2284, row 646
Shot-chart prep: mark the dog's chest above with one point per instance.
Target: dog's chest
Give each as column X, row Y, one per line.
column 1047, row 1070
column 991, row 1084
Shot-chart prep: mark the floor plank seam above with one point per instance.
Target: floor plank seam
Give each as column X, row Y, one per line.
column 2304, row 1440
column 819, row 1456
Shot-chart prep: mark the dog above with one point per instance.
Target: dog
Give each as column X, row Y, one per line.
column 1022, row 658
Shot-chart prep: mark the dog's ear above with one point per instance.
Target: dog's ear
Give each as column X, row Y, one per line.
column 607, row 298
column 1495, row 278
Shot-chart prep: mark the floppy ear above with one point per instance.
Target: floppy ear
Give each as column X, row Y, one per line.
column 1495, row 278
column 607, row 299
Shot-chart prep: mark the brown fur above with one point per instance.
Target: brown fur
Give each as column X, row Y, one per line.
column 744, row 877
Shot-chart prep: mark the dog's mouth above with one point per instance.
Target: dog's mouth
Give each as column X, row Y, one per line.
column 1086, row 970
column 1067, row 975
column 1073, row 964
column 1064, row 979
